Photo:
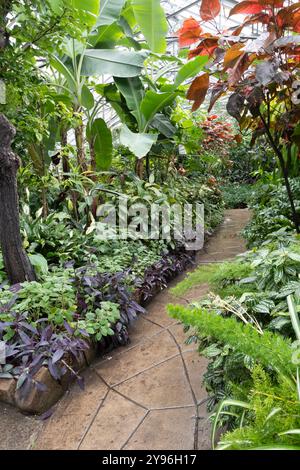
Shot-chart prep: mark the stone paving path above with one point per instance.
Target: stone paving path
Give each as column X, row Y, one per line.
column 147, row 395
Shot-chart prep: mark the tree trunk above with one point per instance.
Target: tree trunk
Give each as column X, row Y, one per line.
column 17, row 264
column 139, row 168
column 65, row 158
column 81, row 158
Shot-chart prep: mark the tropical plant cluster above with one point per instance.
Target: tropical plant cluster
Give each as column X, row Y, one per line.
column 69, row 71
column 248, row 328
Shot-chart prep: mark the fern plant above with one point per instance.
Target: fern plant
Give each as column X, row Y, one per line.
column 269, row 415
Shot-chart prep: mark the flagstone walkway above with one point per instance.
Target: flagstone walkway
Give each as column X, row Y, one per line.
column 147, row 395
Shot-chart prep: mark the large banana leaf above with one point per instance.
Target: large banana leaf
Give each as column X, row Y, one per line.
column 110, row 11
column 89, row 10
column 139, row 144
column 190, row 69
column 163, row 124
column 133, row 91
column 114, row 62
column 151, row 18
column 103, row 145
column 61, row 68
column 106, row 37
column 153, row 103
column 111, row 93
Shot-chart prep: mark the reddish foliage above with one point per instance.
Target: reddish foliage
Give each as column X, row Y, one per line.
column 247, row 7
column 206, row 47
column 218, row 134
column 210, row 9
column 198, row 90
column 189, row 33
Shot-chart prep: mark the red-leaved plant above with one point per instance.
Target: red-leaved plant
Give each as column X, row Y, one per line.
column 259, row 73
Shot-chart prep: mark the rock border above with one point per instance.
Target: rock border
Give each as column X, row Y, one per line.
column 35, row 401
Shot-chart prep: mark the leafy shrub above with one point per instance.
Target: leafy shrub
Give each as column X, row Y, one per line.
column 94, row 288
column 265, row 410
column 53, row 299
column 271, row 413
column 246, row 160
column 271, row 211
column 236, row 196
column 269, row 349
column 98, row 323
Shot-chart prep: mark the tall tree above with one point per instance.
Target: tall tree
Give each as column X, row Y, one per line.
column 17, row 264
column 16, row 261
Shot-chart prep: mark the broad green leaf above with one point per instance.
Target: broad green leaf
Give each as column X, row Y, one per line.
column 222, row 405
column 56, row 6
column 89, row 9
column 128, row 16
column 106, row 36
column 133, row 91
column 155, row 102
column 151, row 18
column 39, row 262
column 294, row 316
column 61, row 68
column 190, row 69
column 294, row 256
column 73, row 48
column 110, row 11
column 139, row 144
column 87, row 98
column 113, row 62
column 102, row 138
column 163, row 124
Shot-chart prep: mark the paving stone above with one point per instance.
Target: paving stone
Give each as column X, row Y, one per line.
column 165, row 429
column 157, row 309
column 152, row 351
column 116, row 421
column 196, row 366
column 78, row 402
column 141, row 329
column 204, row 434
column 181, row 337
column 163, row 386
column 63, row 432
column 196, row 292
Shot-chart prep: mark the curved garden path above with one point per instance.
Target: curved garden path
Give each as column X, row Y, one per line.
column 147, row 395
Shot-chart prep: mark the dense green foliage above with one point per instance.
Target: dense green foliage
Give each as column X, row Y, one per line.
column 271, row 209
column 88, row 146
column 249, row 334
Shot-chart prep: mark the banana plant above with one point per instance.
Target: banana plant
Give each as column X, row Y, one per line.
column 119, row 23
column 78, row 64
column 148, row 106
